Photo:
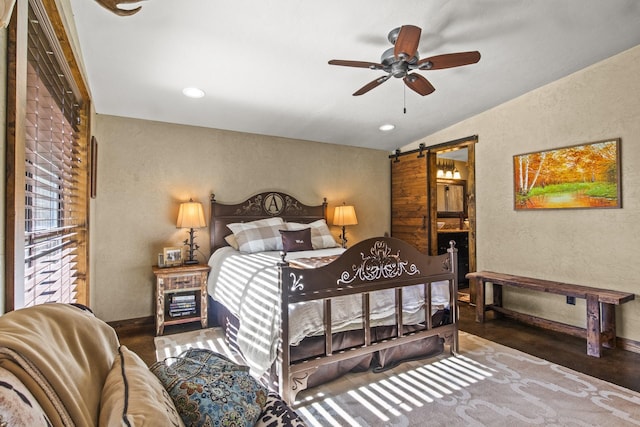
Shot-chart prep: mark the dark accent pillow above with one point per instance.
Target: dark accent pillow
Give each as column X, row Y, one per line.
column 296, row 240
column 277, row 413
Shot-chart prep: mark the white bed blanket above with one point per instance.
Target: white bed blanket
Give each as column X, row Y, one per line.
column 247, row 284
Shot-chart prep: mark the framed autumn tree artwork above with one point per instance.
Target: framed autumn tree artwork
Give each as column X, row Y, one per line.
column 580, row 176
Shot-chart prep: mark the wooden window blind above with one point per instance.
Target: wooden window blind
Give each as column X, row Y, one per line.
column 55, row 174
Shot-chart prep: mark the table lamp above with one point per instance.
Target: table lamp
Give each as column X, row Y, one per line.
column 191, row 216
column 344, row 215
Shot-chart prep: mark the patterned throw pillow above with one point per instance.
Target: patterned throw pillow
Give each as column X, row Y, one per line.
column 321, row 237
column 210, row 390
column 296, row 240
column 18, row 407
column 258, row 236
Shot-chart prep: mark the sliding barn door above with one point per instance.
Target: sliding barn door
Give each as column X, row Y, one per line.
column 409, row 200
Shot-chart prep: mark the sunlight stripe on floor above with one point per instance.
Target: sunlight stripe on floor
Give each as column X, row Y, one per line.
column 410, row 378
column 339, row 411
column 472, row 364
column 328, row 418
column 409, row 388
column 367, row 405
column 384, row 388
column 468, row 379
column 463, row 369
column 381, row 401
column 309, row 418
column 431, row 385
column 442, row 375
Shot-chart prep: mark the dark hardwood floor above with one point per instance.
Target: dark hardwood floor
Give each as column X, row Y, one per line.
column 616, row 366
column 142, row 343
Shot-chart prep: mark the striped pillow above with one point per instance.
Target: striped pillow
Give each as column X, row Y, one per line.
column 258, row 236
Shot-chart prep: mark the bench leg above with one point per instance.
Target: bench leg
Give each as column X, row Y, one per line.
column 609, row 325
column 593, row 326
column 480, row 301
column 497, row 299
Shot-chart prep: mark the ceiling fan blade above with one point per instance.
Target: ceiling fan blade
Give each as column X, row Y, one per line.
column 419, row 84
column 449, row 60
column 407, row 42
column 359, row 64
column 366, row 88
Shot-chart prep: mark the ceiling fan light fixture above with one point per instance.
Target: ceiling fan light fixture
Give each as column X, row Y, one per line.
column 393, row 35
column 193, row 92
column 388, row 127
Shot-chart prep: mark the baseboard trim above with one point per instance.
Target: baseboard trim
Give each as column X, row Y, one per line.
column 627, row 344
column 622, row 343
column 140, row 325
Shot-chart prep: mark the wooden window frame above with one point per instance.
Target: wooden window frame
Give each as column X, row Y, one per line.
column 17, row 41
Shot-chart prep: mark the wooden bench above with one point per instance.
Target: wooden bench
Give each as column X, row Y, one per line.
column 601, row 303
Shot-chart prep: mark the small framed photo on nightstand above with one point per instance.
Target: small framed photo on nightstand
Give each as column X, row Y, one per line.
column 172, row 256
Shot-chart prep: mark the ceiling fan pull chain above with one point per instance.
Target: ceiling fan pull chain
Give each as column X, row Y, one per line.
column 404, row 98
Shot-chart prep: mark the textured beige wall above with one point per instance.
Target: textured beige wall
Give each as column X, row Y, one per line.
column 145, row 169
column 596, row 247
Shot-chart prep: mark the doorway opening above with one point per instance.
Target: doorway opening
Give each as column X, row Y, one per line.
column 454, row 210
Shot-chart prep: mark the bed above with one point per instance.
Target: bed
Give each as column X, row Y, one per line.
column 278, row 276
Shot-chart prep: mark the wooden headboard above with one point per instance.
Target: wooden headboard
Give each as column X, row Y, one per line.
column 264, row 205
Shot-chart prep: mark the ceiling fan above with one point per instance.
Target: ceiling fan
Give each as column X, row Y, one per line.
column 114, row 6
column 403, row 58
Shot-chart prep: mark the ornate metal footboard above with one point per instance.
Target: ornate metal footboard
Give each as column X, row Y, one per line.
column 371, row 265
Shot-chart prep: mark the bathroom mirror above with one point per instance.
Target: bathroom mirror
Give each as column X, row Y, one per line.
column 451, row 197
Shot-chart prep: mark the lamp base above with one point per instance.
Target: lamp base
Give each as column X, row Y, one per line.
column 343, row 237
column 191, row 259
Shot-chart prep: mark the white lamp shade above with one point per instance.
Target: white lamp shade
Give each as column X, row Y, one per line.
column 191, row 215
column 344, row 215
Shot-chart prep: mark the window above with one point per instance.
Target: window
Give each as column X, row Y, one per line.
column 50, row 188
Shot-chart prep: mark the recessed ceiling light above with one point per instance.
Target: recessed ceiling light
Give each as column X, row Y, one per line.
column 193, row 92
column 387, row 127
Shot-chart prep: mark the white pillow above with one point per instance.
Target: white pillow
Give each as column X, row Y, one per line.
column 231, row 241
column 258, row 236
column 132, row 395
column 321, row 237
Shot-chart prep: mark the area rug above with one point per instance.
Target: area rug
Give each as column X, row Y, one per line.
column 487, row 384
column 173, row 345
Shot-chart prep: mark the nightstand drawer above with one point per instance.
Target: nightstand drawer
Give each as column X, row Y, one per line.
column 182, row 282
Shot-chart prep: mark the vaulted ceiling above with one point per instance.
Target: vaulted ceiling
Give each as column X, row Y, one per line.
column 263, row 65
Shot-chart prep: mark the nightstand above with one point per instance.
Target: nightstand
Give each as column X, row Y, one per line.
column 181, row 295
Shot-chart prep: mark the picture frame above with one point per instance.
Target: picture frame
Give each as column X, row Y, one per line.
column 93, row 173
column 583, row 176
column 172, row 256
